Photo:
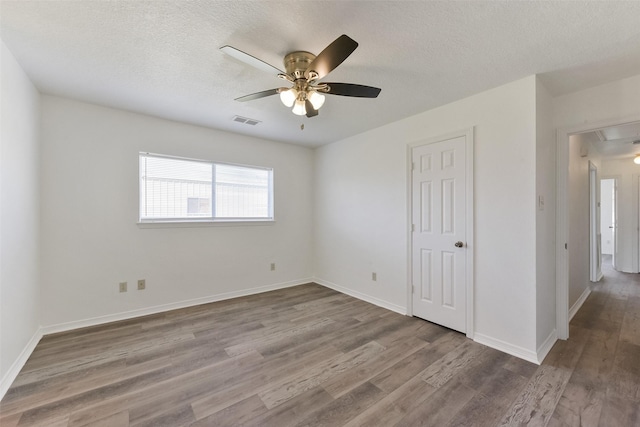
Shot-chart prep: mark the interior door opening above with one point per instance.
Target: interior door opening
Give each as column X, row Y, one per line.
column 608, row 220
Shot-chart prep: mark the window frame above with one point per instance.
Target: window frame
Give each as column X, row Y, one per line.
column 208, row 220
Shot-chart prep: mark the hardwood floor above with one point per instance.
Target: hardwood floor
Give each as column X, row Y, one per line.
column 310, row 356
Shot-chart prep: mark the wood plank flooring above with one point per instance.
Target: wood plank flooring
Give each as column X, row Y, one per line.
column 310, row 356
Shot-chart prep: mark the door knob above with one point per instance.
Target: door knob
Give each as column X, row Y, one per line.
column 458, row 244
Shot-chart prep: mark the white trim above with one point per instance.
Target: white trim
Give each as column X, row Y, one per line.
column 204, row 223
column 19, row 363
column 595, row 274
column 468, row 134
column 409, row 230
column 505, row 347
column 562, row 235
column 546, row 346
column 76, row 324
column 635, row 189
column 361, row 296
column 576, row 306
column 470, row 220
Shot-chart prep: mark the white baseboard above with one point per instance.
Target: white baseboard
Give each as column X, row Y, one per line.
column 545, row 347
column 77, row 324
column 505, row 347
column 361, row 296
column 575, row 307
column 19, row 363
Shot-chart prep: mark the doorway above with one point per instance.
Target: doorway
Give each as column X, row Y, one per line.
column 608, row 219
column 611, row 135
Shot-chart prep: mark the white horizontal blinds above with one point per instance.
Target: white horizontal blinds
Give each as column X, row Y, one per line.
column 174, row 188
column 242, row 192
column 191, row 190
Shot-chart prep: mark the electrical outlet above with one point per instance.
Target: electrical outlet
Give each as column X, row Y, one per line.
column 141, row 285
column 273, row 266
column 374, row 276
column 123, row 286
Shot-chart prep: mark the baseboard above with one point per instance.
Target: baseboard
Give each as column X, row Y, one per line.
column 505, row 347
column 361, row 296
column 19, row 363
column 77, row 324
column 546, row 346
column 575, row 307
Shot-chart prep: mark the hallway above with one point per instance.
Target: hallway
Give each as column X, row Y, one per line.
column 602, row 356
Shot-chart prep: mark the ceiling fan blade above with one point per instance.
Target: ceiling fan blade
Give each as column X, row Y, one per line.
column 311, row 112
column 250, row 59
column 258, row 95
column 332, row 56
column 350, row 89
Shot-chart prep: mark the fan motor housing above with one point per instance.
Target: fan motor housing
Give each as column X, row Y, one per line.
column 296, row 63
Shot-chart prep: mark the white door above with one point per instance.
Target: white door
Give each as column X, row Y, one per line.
column 439, row 236
column 606, row 218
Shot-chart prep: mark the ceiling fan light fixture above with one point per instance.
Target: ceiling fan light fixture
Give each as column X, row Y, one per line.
column 317, row 99
column 636, row 159
column 299, row 108
column 288, row 97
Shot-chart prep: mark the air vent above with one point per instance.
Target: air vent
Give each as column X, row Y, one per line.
column 246, row 120
column 637, row 141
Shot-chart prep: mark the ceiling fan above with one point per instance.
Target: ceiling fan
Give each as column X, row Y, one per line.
column 303, row 72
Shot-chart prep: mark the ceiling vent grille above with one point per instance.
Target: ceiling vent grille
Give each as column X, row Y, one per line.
column 246, row 120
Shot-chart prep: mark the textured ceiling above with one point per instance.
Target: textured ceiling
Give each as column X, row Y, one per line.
column 162, row 57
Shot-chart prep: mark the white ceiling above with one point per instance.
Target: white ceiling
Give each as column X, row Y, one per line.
column 162, row 58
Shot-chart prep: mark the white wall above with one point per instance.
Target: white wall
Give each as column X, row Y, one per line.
column 19, row 218
column 90, row 239
column 361, row 209
column 579, row 234
column 628, row 174
column 545, row 219
column 615, row 101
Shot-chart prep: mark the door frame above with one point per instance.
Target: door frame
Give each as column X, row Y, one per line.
column 562, row 214
column 635, row 262
column 595, row 253
column 468, row 134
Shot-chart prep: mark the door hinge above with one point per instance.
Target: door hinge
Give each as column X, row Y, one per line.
column 413, row 227
column 413, row 289
column 565, row 246
column 413, row 166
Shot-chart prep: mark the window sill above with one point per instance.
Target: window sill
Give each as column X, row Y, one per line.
column 205, row 223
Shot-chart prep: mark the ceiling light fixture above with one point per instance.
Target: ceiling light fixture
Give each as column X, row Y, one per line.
column 298, row 96
column 288, row 97
column 636, row 160
column 299, row 108
column 304, row 71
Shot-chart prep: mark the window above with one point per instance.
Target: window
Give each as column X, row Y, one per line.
column 185, row 190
